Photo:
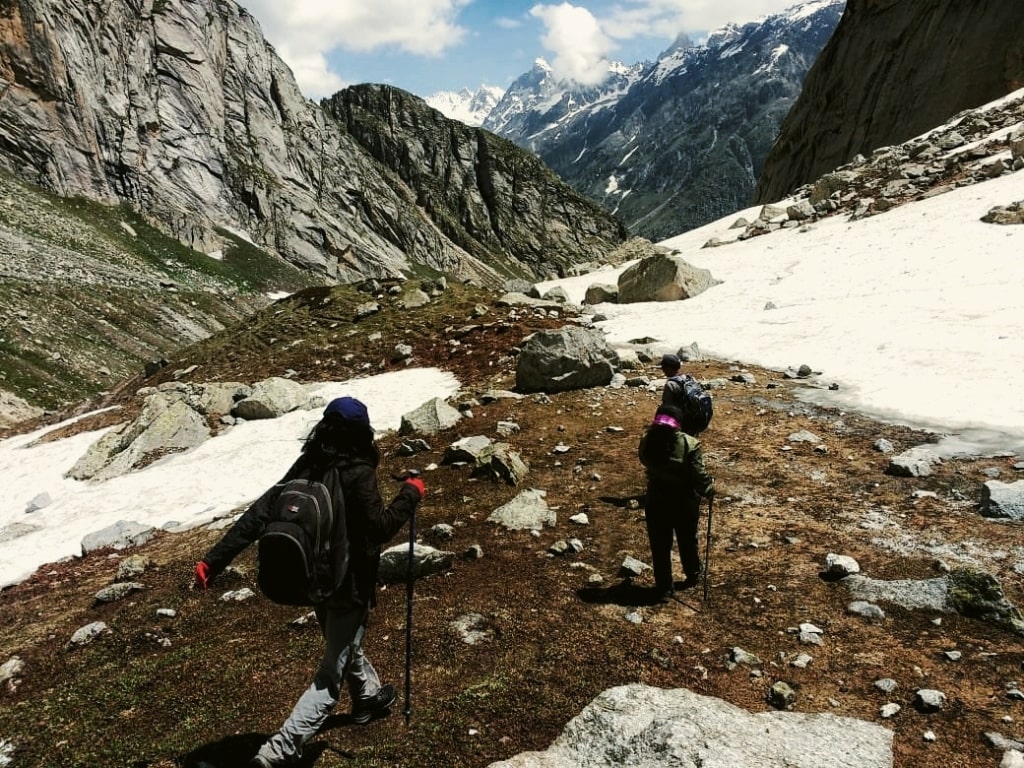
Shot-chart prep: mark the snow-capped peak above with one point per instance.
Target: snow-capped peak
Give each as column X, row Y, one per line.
column 466, row 106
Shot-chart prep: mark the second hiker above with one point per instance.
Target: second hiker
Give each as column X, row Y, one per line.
column 676, row 480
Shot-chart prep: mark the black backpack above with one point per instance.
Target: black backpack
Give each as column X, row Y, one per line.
column 302, row 554
column 695, row 403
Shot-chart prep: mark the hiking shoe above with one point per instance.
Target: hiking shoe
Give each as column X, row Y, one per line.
column 664, row 596
column 365, row 711
column 690, row 582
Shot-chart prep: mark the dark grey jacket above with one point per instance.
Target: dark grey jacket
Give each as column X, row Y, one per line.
column 370, row 524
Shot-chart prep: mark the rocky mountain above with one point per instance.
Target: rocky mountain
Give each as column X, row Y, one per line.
column 538, row 101
column 892, row 71
column 673, row 144
column 183, row 112
column 161, row 177
column 466, row 106
column 481, row 192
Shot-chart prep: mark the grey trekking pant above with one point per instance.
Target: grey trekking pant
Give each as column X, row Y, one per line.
column 343, row 661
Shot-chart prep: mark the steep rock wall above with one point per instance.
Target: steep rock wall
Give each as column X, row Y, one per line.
column 892, row 70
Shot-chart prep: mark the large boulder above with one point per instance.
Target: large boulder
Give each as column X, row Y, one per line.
column 645, row 727
column 271, row 398
column 166, row 425
column 663, row 278
column 430, row 418
column 565, row 359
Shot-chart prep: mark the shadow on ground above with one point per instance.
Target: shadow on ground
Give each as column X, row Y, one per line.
column 236, row 752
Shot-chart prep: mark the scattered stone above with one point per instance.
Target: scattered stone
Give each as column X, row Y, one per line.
column 121, row 535
column 88, row 633
column 801, row 661
column 886, row 685
column 929, row 700
column 781, row 695
column 580, row 519
column 132, row 567
column 474, row 552
column 238, row 595
column 527, row 511
column 1003, row 500
column 40, row 501
column 889, row 711
column 631, row 567
column 472, row 629
column 866, row 610
column 840, row 566
column 118, row 591
column 426, row 561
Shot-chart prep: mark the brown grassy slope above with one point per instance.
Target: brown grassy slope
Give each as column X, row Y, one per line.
column 212, row 682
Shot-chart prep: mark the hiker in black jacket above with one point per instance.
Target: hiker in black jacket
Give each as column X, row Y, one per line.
column 340, row 452
column 676, row 479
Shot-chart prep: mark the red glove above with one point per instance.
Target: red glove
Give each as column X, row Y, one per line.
column 202, row 574
column 418, row 484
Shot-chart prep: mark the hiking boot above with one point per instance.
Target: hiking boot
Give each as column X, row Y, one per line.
column 365, row 711
column 690, row 582
column 664, row 596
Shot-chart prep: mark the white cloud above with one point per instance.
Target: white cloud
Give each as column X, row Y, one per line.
column 582, row 40
column 504, row 22
column 305, row 31
column 580, row 48
column 667, row 18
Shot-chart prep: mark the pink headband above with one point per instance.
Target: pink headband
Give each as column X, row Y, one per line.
column 663, row 419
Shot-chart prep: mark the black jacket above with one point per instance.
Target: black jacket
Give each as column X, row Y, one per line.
column 370, row 524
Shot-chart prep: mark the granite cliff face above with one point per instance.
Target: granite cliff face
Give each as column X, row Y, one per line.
column 184, row 112
column 483, row 193
column 893, row 70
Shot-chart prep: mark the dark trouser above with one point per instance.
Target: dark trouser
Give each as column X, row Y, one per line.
column 672, row 514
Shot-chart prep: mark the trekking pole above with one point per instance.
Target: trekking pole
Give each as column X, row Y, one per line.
column 707, row 548
column 407, row 710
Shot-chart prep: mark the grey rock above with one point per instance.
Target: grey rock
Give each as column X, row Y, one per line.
column 599, row 293
column 430, row 418
column 839, row 566
column 11, row 670
column 118, row 591
column 1003, row 500
column 886, row 685
column 121, row 535
column 917, row 462
column 781, row 695
column 271, row 398
column 132, row 567
column 471, row 629
column 565, row 359
column 889, row 711
column 883, row 446
column 426, row 561
column 631, row 567
column 644, row 727
column 88, row 633
column 663, row 278
column 527, row 511
column 929, row 700
column 866, row 610
column 39, row 501
column 166, row 424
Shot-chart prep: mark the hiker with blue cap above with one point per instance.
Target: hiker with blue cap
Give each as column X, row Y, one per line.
column 340, row 454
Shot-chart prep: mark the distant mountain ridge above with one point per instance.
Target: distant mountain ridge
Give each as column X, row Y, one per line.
column 672, row 144
column 466, row 106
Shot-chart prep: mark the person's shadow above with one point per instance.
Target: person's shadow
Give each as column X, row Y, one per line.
column 625, row 593
column 236, row 752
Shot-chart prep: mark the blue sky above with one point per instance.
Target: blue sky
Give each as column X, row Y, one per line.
column 426, row 46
